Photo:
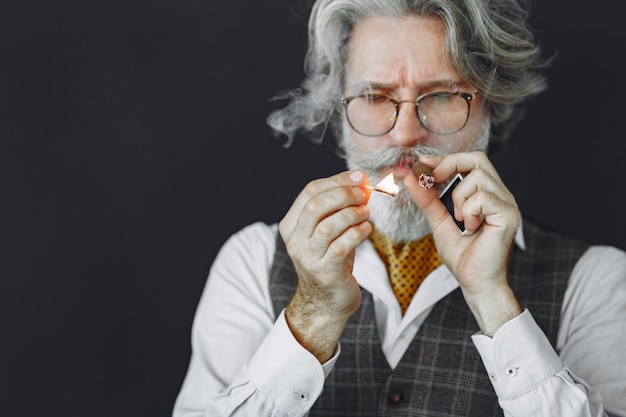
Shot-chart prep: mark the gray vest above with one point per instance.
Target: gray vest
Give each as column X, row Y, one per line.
column 441, row 373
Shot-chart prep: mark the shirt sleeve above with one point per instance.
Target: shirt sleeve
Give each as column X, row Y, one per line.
column 244, row 361
column 586, row 377
column 529, row 377
column 592, row 336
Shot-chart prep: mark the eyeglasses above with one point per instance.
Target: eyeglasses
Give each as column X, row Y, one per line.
column 440, row 112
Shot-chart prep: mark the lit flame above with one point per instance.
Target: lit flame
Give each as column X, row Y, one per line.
column 388, row 185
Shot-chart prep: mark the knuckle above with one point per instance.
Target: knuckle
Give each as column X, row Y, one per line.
column 312, row 206
column 312, row 188
column 353, row 214
column 338, row 249
column 324, row 229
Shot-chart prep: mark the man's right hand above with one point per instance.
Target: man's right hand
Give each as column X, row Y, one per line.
column 321, row 230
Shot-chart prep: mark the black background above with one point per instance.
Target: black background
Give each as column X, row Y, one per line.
column 133, row 143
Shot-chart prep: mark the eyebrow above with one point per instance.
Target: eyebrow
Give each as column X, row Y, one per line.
column 429, row 85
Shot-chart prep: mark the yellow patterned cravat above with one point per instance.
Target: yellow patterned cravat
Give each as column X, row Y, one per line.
column 407, row 264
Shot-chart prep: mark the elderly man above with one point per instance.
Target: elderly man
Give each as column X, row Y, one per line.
column 359, row 303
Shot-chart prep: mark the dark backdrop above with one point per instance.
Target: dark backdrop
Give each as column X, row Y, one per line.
column 133, row 143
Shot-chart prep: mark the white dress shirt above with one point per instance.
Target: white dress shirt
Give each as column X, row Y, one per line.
column 245, row 362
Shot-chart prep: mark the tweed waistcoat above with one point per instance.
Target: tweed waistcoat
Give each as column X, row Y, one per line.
column 441, row 373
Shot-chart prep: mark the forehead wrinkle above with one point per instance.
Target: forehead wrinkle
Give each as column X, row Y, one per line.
column 398, row 65
column 418, row 80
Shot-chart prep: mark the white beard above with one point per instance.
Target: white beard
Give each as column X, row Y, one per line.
column 398, row 217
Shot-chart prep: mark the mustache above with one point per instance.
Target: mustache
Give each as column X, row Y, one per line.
column 386, row 157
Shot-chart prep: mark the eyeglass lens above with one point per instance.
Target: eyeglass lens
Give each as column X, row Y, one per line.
column 376, row 114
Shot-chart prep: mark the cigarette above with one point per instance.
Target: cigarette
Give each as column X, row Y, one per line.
column 424, row 177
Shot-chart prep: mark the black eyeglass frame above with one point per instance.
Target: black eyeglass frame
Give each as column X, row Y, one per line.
column 467, row 96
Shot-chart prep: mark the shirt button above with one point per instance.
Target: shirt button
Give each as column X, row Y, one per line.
column 511, row 371
column 301, row 395
column 396, row 397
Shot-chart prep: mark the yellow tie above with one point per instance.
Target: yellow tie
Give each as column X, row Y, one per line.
column 407, row 263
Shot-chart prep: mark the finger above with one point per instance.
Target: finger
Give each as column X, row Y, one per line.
column 471, row 211
column 333, row 202
column 498, row 215
column 464, row 163
column 332, row 228
column 429, row 203
column 347, row 241
column 479, row 180
column 314, row 188
column 479, row 175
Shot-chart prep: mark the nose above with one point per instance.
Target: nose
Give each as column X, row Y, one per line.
column 408, row 131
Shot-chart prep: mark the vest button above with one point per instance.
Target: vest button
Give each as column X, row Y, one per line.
column 396, row 397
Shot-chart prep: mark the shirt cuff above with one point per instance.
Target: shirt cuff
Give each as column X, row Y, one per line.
column 518, row 357
column 285, row 372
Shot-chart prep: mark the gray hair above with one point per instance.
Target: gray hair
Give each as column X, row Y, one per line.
column 491, row 45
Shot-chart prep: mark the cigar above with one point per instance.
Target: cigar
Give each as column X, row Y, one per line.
column 424, row 177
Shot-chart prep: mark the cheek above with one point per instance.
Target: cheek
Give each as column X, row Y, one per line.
column 458, row 142
column 361, row 144
column 466, row 139
column 477, row 129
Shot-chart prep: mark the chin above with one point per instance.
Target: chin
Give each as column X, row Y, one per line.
column 398, row 217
